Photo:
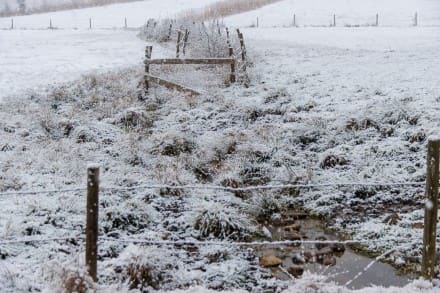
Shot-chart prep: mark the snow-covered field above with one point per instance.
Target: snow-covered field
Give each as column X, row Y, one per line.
column 347, row 12
column 110, row 16
column 367, row 97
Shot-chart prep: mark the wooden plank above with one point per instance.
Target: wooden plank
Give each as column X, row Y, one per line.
column 204, row 61
column 430, row 233
column 170, row 84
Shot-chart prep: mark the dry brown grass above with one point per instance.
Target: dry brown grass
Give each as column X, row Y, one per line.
column 224, row 8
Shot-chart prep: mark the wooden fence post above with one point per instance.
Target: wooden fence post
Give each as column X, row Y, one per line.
column 179, row 37
column 228, row 37
column 416, row 19
column 243, row 57
column 12, row 23
column 92, row 220
column 185, row 41
column 431, row 207
column 170, row 30
column 377, row 19
column 148, row 52
column 232, row 76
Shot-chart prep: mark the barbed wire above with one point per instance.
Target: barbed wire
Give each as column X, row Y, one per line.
column 39, row 239
column 219, row 187
column 226, row 243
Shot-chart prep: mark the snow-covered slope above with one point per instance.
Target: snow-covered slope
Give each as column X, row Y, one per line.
column 348, row 12
column 110, row 16
column 31, row 58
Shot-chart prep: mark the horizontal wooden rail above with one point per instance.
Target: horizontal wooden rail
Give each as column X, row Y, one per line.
column 170, row 84
column 205, row 61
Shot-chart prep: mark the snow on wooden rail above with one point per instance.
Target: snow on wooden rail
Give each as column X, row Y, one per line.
column 195, row 61
column 170, row 84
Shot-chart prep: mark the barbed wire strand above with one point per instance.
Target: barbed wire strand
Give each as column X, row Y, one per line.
column 218, row 187
column 223, row 243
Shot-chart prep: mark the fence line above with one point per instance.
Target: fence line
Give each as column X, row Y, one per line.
column 219, row 187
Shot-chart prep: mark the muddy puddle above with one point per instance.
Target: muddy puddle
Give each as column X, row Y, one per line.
column 340, row 263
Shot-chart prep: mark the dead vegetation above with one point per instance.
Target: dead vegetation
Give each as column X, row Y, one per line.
column 224, row 8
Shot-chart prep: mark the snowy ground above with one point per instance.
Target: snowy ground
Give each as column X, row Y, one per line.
column 367, row 96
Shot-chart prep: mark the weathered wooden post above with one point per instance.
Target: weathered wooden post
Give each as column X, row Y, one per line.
column 185, row 41
column 179, row 37
column 431, row 207
column 170, row 30
column 232, row 76
column 125, row 22
column 416, row 19
column 12, row 23
column 148, row 52
column 92, row 220
column 377, row 19
column 294, row 20
column 243, row 57
column 50, row 23
column 228, row 37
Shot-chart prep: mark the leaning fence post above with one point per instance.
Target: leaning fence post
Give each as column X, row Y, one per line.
column 334, row 19
column 294, row 20
column 232, row 76
column 90, row 23
column 12, row 23
column 431, row 207
column 125, row 22
column 179, row 37
column 50, row 23
column 148, row 51
column 377, row 19
column 92, row 220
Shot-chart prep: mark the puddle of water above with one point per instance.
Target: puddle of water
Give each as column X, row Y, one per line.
column 348, row 263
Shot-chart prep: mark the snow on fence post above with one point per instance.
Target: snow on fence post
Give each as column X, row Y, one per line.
column 92, row 220
column 431, row 207
column 148, row 51
column 258, row 22
column 179, row 37
column 416, row 19
column 170, row 29
column 90, row 23
column 228, row 37
column 185, row 41
column 243, row 56
column 232, row 76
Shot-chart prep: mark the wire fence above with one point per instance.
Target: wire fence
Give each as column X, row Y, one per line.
column 220, row 187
